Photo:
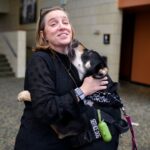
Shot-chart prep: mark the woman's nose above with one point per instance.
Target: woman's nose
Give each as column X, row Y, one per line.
column 61, row 25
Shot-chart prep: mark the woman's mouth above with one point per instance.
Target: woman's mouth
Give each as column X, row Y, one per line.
column 63, row 35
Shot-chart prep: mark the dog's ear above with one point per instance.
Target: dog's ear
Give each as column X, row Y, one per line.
column 85, row 56
column 74, row 43
column 85, row 49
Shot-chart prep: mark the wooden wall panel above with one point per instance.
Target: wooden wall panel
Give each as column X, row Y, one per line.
column 141, row 50
column 132, row 3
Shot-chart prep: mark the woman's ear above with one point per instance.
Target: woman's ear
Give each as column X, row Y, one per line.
column 42, row 35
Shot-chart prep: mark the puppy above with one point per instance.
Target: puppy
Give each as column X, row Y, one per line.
column 89, row 62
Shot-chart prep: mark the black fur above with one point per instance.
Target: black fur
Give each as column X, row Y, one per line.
column 97, row 62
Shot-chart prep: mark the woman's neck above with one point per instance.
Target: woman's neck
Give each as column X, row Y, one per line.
column 62, row 50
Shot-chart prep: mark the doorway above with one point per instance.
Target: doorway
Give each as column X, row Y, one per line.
column 127, row 46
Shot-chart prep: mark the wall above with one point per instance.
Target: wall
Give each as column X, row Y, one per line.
column 17, row 44
column 88, row 17
column 4, row 6
column 100, row 16
column 10, row 21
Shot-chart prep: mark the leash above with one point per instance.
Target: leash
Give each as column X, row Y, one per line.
column 129, row 120
column 127, row 117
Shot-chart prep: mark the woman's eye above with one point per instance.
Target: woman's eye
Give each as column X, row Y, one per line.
column 52, row 24
column 66, row 22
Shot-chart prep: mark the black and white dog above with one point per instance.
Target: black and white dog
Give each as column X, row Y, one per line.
column 89, row 62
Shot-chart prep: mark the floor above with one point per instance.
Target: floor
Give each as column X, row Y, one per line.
column 136, row 99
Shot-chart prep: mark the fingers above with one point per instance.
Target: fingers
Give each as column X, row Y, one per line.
column 24, row 96
column 96, row 84
column 104, row 78
column 105, row 82
column 101, row 82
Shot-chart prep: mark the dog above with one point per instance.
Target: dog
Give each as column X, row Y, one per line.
column 91, row 63
column 88, row 62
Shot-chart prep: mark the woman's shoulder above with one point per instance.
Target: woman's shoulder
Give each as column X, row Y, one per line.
column 41, row 53
column 41, row 57
column 44, row 55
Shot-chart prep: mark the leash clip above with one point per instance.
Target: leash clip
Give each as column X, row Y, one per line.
column 124, row 111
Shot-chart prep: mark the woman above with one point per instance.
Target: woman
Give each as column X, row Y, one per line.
column 56, row 91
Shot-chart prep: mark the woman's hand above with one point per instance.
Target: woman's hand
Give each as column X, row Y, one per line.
column 91, row 85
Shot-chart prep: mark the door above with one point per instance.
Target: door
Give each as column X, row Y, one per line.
column 127, row 46
column 141, row 49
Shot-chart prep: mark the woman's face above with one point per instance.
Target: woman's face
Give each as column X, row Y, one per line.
column 57, row 31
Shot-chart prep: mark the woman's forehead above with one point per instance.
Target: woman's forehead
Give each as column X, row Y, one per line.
column 56, row 14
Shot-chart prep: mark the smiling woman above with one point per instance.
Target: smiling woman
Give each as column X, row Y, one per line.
column 57, row 31
column 54, row 29
column 57, row 94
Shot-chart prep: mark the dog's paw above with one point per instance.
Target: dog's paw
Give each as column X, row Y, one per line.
column 24, row 96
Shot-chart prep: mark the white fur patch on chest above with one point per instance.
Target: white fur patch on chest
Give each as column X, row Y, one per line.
column 78, row 63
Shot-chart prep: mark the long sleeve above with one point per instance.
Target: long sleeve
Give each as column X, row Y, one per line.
column 47, row 104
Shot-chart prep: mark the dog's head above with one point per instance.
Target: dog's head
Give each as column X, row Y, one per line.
column 74, row 48
column 88, row 62
column 94, row 64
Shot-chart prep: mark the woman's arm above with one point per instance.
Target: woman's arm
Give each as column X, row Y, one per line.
column 47, row 105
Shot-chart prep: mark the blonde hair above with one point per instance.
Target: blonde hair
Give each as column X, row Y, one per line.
column 41, row 43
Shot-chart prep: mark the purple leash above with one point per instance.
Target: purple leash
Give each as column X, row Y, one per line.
column 128, row 118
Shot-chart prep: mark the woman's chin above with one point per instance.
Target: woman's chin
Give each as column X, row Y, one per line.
column 65, row 42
